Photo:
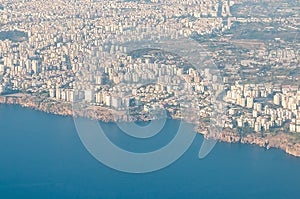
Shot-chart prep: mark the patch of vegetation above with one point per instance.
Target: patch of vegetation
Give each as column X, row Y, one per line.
column 244, row 131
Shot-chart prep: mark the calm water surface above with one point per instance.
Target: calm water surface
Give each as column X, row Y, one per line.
column 42, row 157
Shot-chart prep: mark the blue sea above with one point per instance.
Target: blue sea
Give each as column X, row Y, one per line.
column 43, row 157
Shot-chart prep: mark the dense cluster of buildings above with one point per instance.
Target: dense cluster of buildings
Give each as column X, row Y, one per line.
column 265, row 106
column 61, row 33
column 63, row 38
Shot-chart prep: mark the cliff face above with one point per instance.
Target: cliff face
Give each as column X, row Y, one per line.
column 25, row 100
column 281, row 141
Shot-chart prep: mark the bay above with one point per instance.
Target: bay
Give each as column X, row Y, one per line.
column 42, row 157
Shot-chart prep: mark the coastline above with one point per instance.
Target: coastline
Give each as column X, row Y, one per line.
column 281, row 141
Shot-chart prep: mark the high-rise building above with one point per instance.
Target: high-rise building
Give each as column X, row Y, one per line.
column 51, row 92
column 2, row 68
column 108, row 100
column 257, row 106
column 243, row 102
column 257, row 127
column 99, row 98
column 70, row 96
column 293, row 126
column 36, row 66
column 249, row 102
column 254, row 113
column 276, row 99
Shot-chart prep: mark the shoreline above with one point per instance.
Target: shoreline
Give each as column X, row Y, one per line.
column 281, row 141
